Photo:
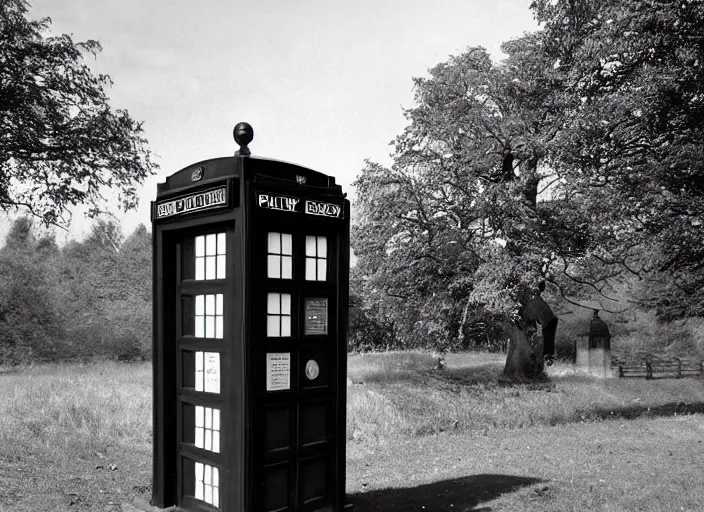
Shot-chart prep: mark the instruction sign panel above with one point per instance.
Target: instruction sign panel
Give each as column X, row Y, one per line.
column 316, row 316
column 278, row 371
column 212, row 372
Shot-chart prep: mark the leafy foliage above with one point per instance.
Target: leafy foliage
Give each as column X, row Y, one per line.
column 577, row 160
column 30, row 324
column 634, row 71
column 62, row 144
column 88, row 299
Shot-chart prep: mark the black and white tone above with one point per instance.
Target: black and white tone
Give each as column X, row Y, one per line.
column 352, row 256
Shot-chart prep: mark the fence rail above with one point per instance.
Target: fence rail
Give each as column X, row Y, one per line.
column 659, row 368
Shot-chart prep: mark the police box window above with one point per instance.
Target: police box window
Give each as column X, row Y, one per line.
column 207, row 425
column 210, row 256
column 316, row 258
column 209, row 316
column 278, row 315
column 279, row 256
column 207, row 484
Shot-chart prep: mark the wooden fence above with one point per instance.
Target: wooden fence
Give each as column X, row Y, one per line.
column 659, row 368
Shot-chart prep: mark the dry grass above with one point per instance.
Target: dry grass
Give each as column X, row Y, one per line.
column 401, row 394
column 74, row 436
column 79, row 437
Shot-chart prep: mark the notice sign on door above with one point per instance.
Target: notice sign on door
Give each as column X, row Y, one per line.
column 316, row 311
column 278, row 371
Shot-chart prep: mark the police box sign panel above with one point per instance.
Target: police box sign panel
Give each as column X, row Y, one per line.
column 295, row 204
column 273, row 202
column 324, row 209
column 192, row 203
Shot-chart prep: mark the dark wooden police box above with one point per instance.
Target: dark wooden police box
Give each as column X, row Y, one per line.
column 251, row 285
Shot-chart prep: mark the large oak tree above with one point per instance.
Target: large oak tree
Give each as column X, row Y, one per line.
column 568, row 162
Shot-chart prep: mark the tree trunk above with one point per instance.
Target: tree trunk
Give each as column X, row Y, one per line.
column 523, row 362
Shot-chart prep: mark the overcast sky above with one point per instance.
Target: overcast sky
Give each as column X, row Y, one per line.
column 323, row 82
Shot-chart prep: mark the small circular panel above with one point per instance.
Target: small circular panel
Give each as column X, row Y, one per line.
column 312, row 369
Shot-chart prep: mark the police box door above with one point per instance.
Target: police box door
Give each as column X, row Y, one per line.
column 204, row 311
column 295, row 352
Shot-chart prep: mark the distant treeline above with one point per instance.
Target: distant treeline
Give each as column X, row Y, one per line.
column 85, row 300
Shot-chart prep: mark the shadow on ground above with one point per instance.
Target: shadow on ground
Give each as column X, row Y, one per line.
column 638, row 411
column 460, row 494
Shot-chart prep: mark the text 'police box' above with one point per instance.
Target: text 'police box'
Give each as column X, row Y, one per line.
column 251, row 282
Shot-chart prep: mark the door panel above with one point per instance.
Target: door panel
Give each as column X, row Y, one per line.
column 296, row 430
column 203, row 338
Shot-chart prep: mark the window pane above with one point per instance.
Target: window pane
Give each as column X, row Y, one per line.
column 218, row 304
column 199, row 416
column 322, row 247
column 310, row 246
column 199, row 371
column 200, row 268
column 273, row 326
column 200, row 327
column 285, row 303
column 200, row 246
column 216, row 498
column 273, row 303
column 286, row 244
column 210, row 267
column 322, row 269
column 200, row 304
column 216, row 477
column 199, row 437
column 285, row 326
column 221, row 267
column 199, row 481
column 210, row 245
column 216, row 419
column 207, row 477
column 209, row 326
column 274, row 243
column 221, row 243
column 208, row 440
column 286, row 267
column 208, row 418
column 216, row 442
column 208, row 498
column 210, row 304
column 310, row 269
column 218, row 327
column 273, row 267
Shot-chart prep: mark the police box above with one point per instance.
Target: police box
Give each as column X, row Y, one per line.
column 251, row 285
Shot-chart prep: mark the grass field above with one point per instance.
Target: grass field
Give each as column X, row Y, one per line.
column 79, row 438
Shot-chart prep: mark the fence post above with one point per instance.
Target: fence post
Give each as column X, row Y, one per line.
column 648, row 369
column 679, row 368
column 620, row 370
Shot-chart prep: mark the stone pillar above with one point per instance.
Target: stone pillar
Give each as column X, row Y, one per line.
column 599, row 347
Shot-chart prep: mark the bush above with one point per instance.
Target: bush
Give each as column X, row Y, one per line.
column 367, row 334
